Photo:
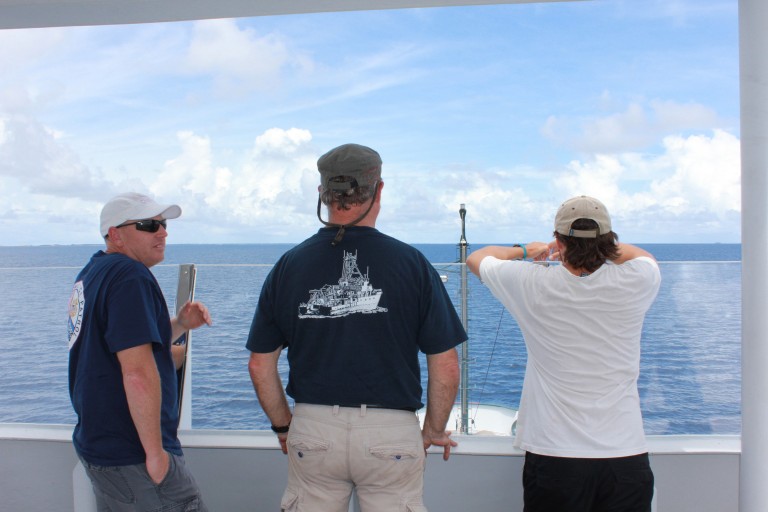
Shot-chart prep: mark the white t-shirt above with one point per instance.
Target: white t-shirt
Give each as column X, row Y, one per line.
column 580, row 394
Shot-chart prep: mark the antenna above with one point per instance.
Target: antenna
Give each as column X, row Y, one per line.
column 463, row 245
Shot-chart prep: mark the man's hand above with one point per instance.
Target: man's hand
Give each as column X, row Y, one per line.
column 283, row 440
column 438, row 439
column 192, row 315
column 158, row 466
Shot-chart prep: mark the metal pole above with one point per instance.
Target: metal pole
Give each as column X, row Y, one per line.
column 753, row 57
column 185, row 291
column 465, row 322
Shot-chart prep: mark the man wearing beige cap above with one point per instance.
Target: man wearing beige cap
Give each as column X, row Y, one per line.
column 122, row 365
column 354, row 307
column 579, row 420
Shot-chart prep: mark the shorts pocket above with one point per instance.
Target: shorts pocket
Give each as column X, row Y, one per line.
column 639, row 476
column 290, row 501
column 415, row 506
column 110, row 481
column 304, row 446
column 395, row 452
column 178, row 486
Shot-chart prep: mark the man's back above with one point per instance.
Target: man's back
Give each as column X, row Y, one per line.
column 354, row 317
column 583, row 341
column 113, row 288
column 354, row 307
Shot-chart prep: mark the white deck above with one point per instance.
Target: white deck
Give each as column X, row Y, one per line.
column 245, row 471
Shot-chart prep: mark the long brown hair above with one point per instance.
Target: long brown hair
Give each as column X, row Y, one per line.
column 589, row 253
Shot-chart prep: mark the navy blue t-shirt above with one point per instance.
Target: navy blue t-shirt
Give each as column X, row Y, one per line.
column 116, row 304
column 354, row 318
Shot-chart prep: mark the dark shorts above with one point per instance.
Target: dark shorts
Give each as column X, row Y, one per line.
column 129, row 488
column 558, row 484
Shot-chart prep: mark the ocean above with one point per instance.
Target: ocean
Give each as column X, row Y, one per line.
column 691, row 347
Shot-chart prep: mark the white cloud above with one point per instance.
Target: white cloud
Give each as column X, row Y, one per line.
column 270, row 189
column 86, row 112
column 238, row 59
column 33, row 154
column 689, row 192
column 639, row 125
column 706, row 174
column 692, row 189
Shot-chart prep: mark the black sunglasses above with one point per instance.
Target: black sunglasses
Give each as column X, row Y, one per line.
column 148, row 225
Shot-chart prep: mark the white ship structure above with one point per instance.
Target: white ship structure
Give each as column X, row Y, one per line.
column 353, row 294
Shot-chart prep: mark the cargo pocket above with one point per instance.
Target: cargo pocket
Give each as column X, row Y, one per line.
column 290, row 501
column 415, row 506
column 110, row 481
column 395, row 452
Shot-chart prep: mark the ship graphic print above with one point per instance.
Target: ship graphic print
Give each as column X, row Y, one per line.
column 353, row 294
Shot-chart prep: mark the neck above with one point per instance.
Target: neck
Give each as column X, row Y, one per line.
column 580, row 271
column 344, row 217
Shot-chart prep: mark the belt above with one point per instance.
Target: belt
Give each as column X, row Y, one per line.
column 375, row 406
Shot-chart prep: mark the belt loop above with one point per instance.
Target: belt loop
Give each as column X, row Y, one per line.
column 363, row 409
column 335, row 410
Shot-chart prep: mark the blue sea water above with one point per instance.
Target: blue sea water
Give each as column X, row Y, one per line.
column 690, row 368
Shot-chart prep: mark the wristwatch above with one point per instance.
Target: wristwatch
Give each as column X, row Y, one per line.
column 280, row 430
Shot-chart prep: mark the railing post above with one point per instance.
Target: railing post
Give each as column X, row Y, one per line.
column 185, row 291
column 753, row 60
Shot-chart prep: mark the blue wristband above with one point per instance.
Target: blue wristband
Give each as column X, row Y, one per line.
column 525, row 251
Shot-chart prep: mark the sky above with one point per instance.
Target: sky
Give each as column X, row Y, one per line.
column 508, row 109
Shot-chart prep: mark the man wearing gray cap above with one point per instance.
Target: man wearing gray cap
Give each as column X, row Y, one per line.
column 579, row 420
column 122, row 365
column 354, row 307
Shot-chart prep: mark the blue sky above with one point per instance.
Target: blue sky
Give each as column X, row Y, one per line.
column 510, row 109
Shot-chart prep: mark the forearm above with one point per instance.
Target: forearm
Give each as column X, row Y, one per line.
column 497, row 251
column 179, row 353
column 629, row 252
column 143, row 393
column 269, row 387
column 442, row 386
column 177, row 329
column 531, row 250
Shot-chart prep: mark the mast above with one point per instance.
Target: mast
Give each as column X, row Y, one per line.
column 465, row 322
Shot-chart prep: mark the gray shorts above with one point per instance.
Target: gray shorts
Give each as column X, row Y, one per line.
column 130, row 489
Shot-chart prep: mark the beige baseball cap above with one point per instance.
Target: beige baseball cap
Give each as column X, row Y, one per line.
column 582, row 207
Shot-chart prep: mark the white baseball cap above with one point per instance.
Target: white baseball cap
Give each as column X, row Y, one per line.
column 133, row 206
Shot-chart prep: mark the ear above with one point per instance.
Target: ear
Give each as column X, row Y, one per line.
column 560, row 248
column 378, row 191
column 114, row 236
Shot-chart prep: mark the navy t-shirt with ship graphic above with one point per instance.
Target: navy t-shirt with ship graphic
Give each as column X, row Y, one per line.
column 354, row 317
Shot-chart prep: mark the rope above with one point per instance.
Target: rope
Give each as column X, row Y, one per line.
column 490, row 360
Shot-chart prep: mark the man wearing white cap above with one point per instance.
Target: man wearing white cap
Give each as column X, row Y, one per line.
column 122, row 365
column 580, row 422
